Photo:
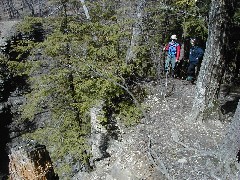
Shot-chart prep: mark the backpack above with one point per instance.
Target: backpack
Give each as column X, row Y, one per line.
column 172, row 49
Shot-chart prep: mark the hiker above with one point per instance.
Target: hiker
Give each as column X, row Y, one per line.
column 195, row 59
column 173, row 54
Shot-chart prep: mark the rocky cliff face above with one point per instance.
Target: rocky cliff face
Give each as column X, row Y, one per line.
column 19, row 159
column 30, row 162
column 7, row 29
column 9, row 100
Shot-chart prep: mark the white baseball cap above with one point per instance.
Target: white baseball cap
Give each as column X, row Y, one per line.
column 174, row 37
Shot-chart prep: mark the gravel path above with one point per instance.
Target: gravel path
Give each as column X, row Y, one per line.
column 165, row 145
column 180, row 146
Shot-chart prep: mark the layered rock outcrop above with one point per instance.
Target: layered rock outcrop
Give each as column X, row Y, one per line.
column 31, row 162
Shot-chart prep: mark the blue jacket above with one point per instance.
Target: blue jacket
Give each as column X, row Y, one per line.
column 196, row 53
column 173, row 49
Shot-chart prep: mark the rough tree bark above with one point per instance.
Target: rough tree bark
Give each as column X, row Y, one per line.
column 40, row 7
column 231, row 143
column 85, row 10
column 212, row 67
column 136, row 31
column 223, row 163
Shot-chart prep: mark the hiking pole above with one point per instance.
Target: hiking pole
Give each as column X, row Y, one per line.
column 166, row 83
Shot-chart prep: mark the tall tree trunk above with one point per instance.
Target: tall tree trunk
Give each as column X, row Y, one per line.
column 227, row 166
column 212, row 68
column 231, row 142
column 40, row 7
column 136, row 32
column 30, row 5
column 68, row 57
column 85, row 10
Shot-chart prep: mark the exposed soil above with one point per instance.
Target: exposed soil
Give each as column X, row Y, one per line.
column 176, row 143
column 166, row 145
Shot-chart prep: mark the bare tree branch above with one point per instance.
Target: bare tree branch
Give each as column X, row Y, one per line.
column 85, row 10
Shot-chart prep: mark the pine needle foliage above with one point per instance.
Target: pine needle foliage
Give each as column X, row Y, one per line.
column 83, row 63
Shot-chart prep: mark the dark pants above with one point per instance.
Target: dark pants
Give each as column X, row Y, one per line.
column 181, row 69
column 191, row 70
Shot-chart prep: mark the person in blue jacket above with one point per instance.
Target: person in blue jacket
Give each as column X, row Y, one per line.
column 195, row 58
column 173, row 53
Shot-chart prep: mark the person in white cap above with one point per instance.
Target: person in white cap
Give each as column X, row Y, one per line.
column 173, row 54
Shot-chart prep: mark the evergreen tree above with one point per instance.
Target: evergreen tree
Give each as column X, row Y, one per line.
column 82, row 65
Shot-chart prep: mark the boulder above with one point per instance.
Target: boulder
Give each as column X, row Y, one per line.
column 31, row 162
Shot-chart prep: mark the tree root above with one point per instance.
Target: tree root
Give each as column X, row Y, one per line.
column 157, row 162
column 218, row 167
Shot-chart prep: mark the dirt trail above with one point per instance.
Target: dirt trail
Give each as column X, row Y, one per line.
column 178, row 146
column 165, row 145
